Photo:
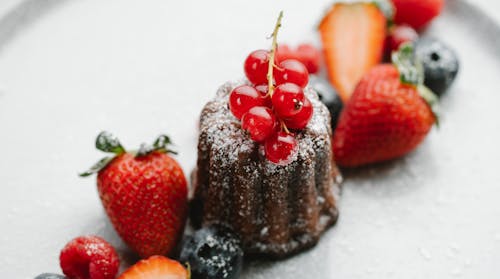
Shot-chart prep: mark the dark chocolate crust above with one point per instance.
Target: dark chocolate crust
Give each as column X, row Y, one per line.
column 277, row 210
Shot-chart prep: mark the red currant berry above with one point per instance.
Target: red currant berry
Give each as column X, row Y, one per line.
column 256, row 66
column 300, row 120
column 293, row 71
column 281, row 148
column 243, row 98
column 401, row 34
column 260, row 122
column 310, row 57
column 263, row 89
column 284, row 52
column 287, row 99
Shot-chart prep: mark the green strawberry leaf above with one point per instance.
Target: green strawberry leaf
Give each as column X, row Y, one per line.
column 411, row 72
column 97, row 166
column 160, row 144
column 107, row 142
column 431, row 99
column 410, row 69
column 144, row 150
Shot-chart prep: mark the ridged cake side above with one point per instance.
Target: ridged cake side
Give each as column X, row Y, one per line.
column 277, row 210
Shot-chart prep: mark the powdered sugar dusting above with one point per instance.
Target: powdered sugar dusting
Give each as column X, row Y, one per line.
column 276, row 208
column 224, row 131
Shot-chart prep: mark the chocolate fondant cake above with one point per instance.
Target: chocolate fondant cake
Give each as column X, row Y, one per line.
column 277, row 210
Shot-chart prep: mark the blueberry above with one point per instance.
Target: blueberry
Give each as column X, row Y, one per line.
column 50, row 276
column 440, row 64
column 213, row 252
column 329, row 96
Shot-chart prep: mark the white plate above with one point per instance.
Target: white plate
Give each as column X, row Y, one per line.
column 69, row 69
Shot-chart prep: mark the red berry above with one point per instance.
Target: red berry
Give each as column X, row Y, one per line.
column 401, row 34
column 145, row 197
column 284, row 52
column 243, row 98
column 89, row 257
column 300, row 120
column 417, row 13
column 263, row 89
column 260, row 122
column 156, row 267
column 287, row 99
column 293, row 71
column 353, row 36
column 280, row 148
column 256, row 66
column 384, row 119
column 310, row 57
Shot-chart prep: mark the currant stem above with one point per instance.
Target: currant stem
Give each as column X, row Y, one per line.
column 272, row 54
column 284, row 128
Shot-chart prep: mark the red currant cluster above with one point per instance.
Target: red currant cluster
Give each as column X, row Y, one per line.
column 274, row 105
column 305, row 53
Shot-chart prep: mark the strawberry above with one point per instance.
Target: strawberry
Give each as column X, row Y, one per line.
column 388, row 115
column 417, row 13
column 144, row 194
column 353, row 36
column 156, row 267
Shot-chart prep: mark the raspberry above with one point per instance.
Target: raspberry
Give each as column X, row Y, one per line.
column 89, row 257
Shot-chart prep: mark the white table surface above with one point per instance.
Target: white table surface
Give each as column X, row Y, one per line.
column 60, row 84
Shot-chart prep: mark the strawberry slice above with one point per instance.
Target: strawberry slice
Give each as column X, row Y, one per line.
column 156, row 267
column 353, row 37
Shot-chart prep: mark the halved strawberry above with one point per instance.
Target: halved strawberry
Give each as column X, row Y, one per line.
column 353, row 37
column 156, row 267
